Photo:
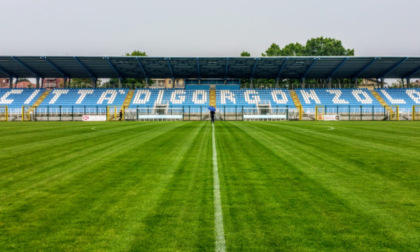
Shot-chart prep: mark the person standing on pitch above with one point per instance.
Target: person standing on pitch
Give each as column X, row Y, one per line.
column 212, row 115
column 121, row 114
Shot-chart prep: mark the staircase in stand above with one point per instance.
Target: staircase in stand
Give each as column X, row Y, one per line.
column 212, row 99
column 126, row 103
column 295, row 98
column 39, row 101
column 380, row 100
column 297, row 103
column 127, row 100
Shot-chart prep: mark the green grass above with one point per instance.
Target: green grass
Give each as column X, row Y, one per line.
column 148, row 186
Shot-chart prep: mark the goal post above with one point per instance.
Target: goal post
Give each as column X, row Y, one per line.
column 394, row 113
column 300, row 111
column 26, row 113
column 415, row 114
column 111, row 113
column 123, row 108
column 4, row 113
column 319, row 112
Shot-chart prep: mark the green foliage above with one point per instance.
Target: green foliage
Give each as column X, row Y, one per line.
column 81, row 83
column 131, row 83
column 326, row 47
column 136, row 53
column 245, row 54
column 314, row 47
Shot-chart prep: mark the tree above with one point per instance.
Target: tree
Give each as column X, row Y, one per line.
column 136, row 53
column 273, row 50
column 80, row 82
column 245, row 54
column 326, row 47
column 314, row 47
column 130, row 82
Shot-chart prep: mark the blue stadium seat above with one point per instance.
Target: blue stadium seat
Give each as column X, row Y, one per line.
column 18, row 97
column 404, row 98
column 336, row 98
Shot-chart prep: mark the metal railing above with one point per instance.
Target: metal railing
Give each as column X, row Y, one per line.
column 199, row 113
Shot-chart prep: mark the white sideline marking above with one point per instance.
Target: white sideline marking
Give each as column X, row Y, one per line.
column 218, row 214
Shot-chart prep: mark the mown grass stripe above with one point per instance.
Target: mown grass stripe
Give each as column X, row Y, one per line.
column 362, row 190
column 218, row 212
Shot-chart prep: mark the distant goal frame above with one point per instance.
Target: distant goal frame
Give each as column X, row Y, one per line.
column 4, row 113
column 415, row 113
column 319, row 112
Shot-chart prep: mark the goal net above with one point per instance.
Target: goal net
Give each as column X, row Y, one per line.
column 4, row 113
column 416, row 113
column 394, row 113
column 319, row 112
column 26, row 113
column 111, row 113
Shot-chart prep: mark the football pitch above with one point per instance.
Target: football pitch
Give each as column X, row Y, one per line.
column 153, row 186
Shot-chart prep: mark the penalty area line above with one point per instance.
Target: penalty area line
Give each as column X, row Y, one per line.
column 218, row 214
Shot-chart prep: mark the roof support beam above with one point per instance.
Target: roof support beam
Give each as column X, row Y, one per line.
column 113, row 67
column 142, row 69
column 337, row 68
column 198, row 70
column 281, row 70
column 170, row 68
column 253, row 69
column 11, row 82
column 61, row 72
column 226, row 69
column 394, row 67
column 146, row 77
column 413, row 73
column 27, row 67
column 366, row 67
column 5, row 72
column 92, row 76
column 309, row 68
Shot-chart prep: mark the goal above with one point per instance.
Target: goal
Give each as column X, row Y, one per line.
column 26, row 113
column 394, row 113
column 319, row 112
column 111, row 113
column 415, row 113
column 4, row 113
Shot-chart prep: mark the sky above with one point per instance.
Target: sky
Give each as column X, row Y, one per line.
column 176, row 28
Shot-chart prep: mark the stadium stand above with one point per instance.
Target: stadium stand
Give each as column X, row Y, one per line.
column 404, row 98
column 196, row 99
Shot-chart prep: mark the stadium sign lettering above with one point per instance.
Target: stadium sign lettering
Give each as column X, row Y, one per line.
column 310, row 95
column 227, row 95
column 275, row 94
column 393, row 101
column 414, row 95
column 142, row 97
column 252, row 97
column 109, row 96
column 4, row 100
column 83, row 94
